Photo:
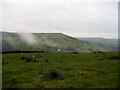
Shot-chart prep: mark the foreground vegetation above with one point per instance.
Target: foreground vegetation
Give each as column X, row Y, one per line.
column 60, row 70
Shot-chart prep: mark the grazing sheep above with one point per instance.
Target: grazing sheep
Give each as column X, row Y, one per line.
column 58, row 50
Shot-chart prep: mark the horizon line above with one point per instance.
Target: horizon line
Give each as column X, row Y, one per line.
column 61, row 33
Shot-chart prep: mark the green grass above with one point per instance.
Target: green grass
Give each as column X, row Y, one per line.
column 83, row 70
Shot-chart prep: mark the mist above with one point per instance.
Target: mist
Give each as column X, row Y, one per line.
column 28, row 38
column 32, row 39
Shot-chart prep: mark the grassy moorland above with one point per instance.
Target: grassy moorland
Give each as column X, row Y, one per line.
column 50, row 42
column 60, row 70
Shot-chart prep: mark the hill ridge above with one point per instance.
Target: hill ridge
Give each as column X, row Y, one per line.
column 48, row 42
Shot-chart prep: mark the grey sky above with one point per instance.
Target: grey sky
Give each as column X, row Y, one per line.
column 78, row 18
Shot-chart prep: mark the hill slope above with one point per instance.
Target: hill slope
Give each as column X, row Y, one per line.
column 113, row 43
column 47, row 42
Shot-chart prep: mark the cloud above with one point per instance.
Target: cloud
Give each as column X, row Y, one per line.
column 67, row 16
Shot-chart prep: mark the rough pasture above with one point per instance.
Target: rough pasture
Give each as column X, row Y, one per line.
column 60, row 70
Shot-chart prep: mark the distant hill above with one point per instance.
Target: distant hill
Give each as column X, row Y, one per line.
column 48, row 42
column 113, row 43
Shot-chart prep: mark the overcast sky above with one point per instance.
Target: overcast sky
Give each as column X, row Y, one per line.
column 77, row 18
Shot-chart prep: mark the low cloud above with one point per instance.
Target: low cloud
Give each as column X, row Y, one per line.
column 28, row 38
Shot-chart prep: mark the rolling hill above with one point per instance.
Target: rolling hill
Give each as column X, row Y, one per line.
column 49, row 42
column 113, row 43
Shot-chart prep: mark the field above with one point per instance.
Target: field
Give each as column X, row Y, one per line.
column 60, row 70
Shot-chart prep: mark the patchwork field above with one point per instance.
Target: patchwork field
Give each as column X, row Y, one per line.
column 60, row 70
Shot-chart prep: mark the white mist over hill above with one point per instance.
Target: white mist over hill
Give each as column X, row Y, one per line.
column 28, row 37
